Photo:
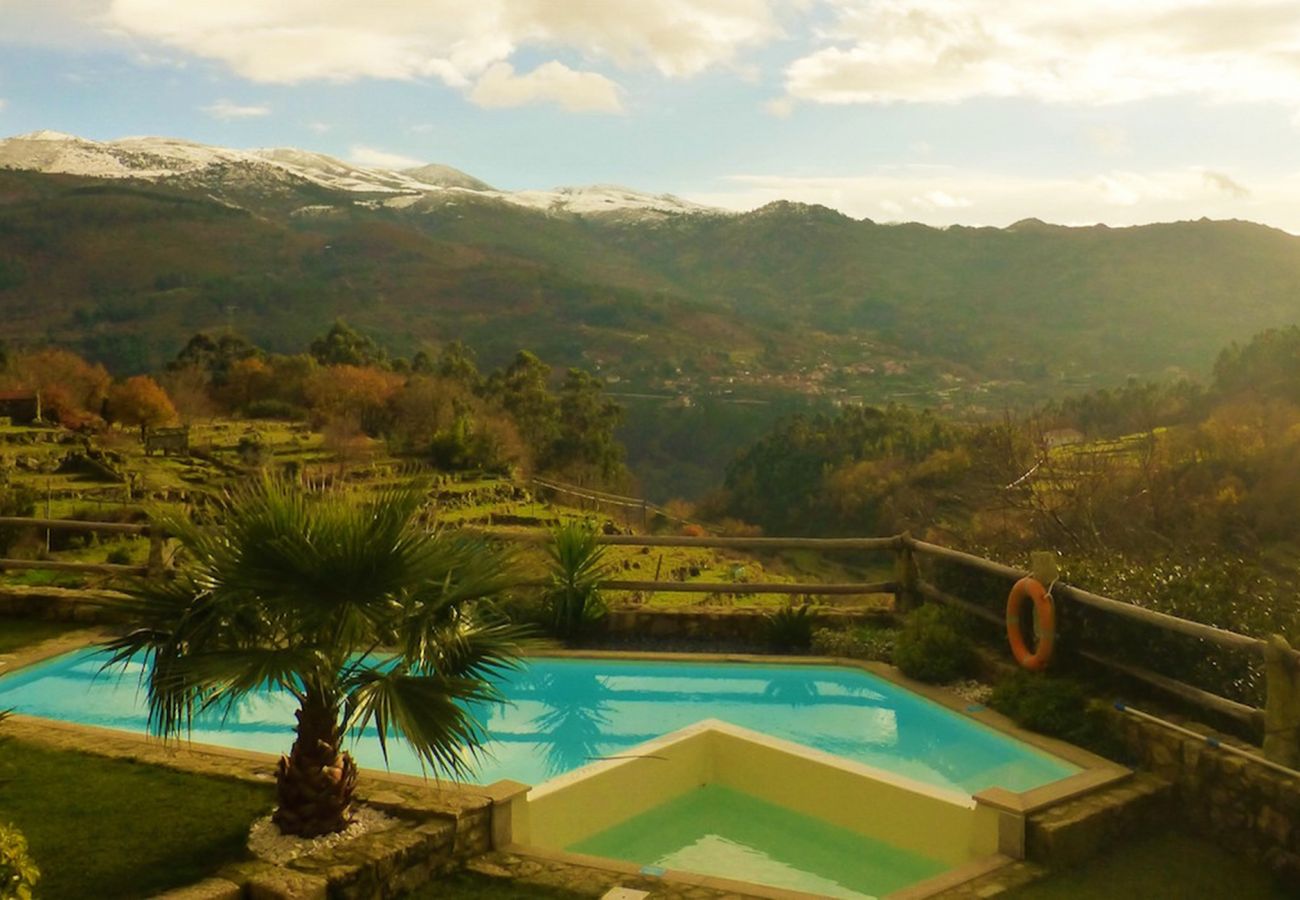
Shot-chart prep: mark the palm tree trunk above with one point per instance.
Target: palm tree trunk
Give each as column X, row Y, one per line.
column 315, row 782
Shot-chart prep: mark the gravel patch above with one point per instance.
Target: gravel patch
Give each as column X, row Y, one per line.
column 972, row 691
column 266, row 842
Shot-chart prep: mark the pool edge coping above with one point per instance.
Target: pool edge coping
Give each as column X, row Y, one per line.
column 212, row 760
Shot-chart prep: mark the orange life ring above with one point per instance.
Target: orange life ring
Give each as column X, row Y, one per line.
column 1031, row 589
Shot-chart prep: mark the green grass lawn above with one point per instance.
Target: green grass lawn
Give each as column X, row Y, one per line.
column 1169, row 866
column 16, row 633
column 115, row 829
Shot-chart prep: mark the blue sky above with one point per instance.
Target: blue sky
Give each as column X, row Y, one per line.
column 942, row 111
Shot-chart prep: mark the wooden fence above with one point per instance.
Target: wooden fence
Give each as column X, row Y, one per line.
column 908, row 587
column 156, row 541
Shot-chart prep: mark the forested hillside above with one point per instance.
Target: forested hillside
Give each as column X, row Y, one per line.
column 744, row 315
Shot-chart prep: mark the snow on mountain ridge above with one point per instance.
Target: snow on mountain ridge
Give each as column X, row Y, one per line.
column 192, row 163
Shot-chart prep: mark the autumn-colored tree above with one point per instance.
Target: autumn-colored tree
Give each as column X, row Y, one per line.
column 72, row 390
column 247, row 380
column 189, row 388
column 141, row 401
column 352, row 393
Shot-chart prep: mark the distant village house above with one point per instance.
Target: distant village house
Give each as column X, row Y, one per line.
column 1062, row 437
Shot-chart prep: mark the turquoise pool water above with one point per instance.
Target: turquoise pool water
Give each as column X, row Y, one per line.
column 564, row 713
column 718, row 831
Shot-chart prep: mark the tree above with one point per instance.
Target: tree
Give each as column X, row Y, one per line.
column 301, row 590
column 343, row 345
column 586, row 444
column 141, row 401
column 457, row 363
column 214, row 354
column 71, row 388
column 522, row 390
column 356, row 394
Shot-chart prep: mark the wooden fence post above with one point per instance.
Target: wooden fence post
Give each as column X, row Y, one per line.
column 1043, row 565
column 156, row 540
column 1282, row 706
column 907, row 595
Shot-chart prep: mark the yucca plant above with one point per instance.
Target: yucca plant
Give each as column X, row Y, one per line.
column 354, row 606
column 572, row 599
column 790, row 627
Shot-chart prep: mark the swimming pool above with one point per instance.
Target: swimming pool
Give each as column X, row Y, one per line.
column 562, row 714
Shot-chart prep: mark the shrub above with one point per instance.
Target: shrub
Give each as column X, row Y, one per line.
column 119, row 556
column 934, row 645
column 864, row 642
column 789, row 628
column 275, row 409
column 572, row 599
column 1057, row 707
column 522, row 608
column 18, row 874
column 18, row 502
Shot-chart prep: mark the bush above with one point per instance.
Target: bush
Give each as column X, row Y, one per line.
column 935, row 646
column 119, row 556
column 1057, row 707
column 864, row 642
column 521, row 608
column 281, row 410
column 789, row 628
column 18, row 874
column 18, row 502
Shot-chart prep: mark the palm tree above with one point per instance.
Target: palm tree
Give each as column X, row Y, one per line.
column 353, row 606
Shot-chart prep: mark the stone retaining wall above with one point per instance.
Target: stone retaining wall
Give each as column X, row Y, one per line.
column 61, row 604
column 742, row 626
column 1245, row 806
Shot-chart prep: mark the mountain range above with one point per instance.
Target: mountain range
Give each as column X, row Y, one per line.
column 124, row 248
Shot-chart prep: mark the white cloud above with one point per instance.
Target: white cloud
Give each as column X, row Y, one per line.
column 422, row 128
column 227, row 110
column 947, row 197
column 550, row 82
column 781, row 107
column 300, row 40
column 1067, row 51
column 319, row 127
column 940, row 200
column 1224, row 182
column 3, row 104
column 1110, row 140
column 382, row 159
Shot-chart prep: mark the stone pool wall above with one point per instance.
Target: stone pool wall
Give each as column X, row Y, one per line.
column 61, row 604
column 1245, row 806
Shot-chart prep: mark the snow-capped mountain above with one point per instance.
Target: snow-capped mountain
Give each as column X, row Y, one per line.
column 278, row 171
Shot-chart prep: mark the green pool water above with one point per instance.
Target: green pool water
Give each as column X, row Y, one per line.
column 718, row 831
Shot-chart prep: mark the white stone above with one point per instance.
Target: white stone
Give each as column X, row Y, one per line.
column 265, row 841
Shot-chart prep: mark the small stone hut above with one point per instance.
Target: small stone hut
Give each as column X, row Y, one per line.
column 20, row 407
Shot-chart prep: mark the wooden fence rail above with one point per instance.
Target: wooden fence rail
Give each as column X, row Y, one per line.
column 907, row 585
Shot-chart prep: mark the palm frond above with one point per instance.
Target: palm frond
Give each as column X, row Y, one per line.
column 427, row 711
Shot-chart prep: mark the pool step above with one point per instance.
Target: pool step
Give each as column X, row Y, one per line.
column 1067, row 834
